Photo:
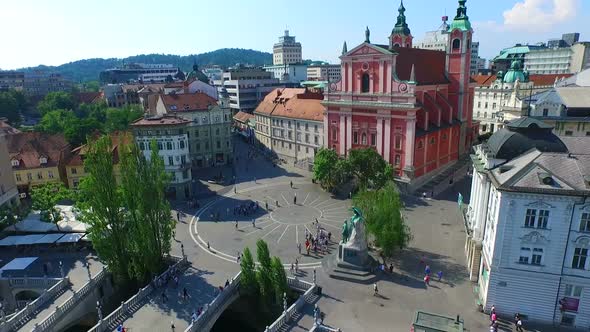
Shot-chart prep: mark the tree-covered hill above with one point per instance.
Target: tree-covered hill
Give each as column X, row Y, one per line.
column 88, row 69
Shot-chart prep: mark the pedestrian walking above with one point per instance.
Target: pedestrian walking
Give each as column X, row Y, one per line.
column 184, row 294
column 235, row 190
column 295, row 199
column 427, row 280
column 424, row 195
column 299, row 247
column 439, row 274
column 194, row 317
column 292, row 267
column 208, row 246
column 266, row 205
column 391, row 268
column 177, row 216
column 253, row 223
column 172, row 327
column 277, row 203
column 226, row 282
column 296, row 265
column 236, row 224
column 375, row 290
column 493, row 317
column 427, row 270
column 291, row 183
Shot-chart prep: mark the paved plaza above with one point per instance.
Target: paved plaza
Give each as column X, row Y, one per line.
column 347, row 301
column 283, row 217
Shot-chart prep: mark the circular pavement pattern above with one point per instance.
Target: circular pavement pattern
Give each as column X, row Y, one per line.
column 283, row 225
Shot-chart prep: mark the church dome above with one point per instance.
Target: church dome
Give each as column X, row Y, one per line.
column 515, row 73
column 522, row 135
column 196, row 74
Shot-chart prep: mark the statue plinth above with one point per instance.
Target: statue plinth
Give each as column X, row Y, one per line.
column 353, row 249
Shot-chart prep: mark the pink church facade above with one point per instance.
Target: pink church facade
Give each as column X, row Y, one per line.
column 412, row 105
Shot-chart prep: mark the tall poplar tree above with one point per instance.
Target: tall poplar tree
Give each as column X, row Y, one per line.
column 101, row 207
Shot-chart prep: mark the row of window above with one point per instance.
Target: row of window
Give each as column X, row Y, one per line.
column 30, row 176
column 281, row 123
column 540, row 218
column 485, row 106
column 290, row 146
column 145, row 146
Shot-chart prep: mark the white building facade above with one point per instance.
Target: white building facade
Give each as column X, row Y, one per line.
column 293, row 73
column 324, row 72
column 171, row 136
column 528, row 226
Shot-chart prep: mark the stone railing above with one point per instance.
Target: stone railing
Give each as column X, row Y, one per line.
column 323, row 328
column 107, row 323
column 295, row 307
column 21, row 317
column 210, row 310
column 32, row 282
column 60, row 311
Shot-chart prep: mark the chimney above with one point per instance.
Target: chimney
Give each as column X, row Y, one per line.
column 185, row 84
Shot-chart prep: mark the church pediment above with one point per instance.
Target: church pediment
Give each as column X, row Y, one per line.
column 367, row 49
column 535, row 238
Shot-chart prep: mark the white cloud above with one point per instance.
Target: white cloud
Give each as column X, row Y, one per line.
column 539, row 15
column 533, row 16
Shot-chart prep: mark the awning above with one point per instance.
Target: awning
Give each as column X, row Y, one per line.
column 50, row 238
column 19, row 263
column 29, row 239
column 71, row 237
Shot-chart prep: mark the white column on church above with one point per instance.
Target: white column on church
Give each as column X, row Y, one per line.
column 348, row 133
column 410, row 140
column 381, row 77
column 326, row 139
column 380, row 136
column 344, row 80
column 342, row 130
column 387, row 143
column 349, row 79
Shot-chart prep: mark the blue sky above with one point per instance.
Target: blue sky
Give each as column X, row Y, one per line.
column 58, row 31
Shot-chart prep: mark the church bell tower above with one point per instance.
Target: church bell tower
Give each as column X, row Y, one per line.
column 400, row 35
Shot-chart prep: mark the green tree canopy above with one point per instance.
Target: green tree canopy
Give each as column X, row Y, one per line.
column 264, row 274
column 9, row 107
column 120, row 119
column 143, row 187
column 102, row 209
column 56, row 101
column 248, row 282
column 384, row 221
column 279, row 279
column 329, row 169
column 92, row 86
column 46, row 196
column 371, row 170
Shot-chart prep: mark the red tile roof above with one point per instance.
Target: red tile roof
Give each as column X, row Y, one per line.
column 187, row 102
column 117, row 139
column 547, row 79
column 429, row 65
column 293, row 103
column 7, row 129
column 483, row 80
column 29, row 147
column 167, row 120
column 539, row 80
column 243, row 116
column 87, row 97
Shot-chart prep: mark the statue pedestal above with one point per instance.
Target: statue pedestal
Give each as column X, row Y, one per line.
column 353, row 258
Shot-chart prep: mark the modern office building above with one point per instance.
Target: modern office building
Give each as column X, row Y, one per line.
column 138, row 72
column 171, row 134
column 528, row 226
column 290, row 123
column 12, row 80
column 323, row 71
column 40, row 83
column 292, row 73
column 246, row 87
column 413, row 106
column 287, row 51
